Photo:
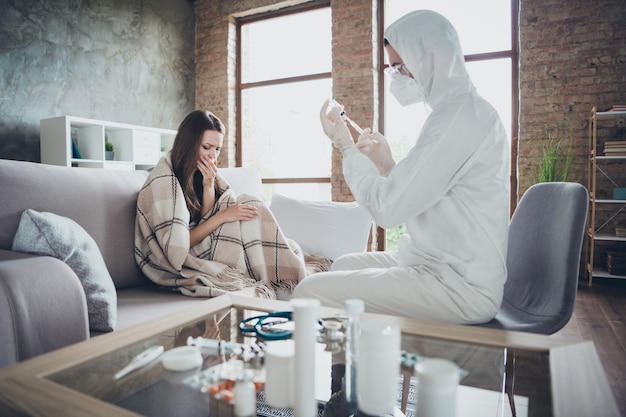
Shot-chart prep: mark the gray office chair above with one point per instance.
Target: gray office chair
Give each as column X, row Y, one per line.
column 543, row 258
column 543, row 261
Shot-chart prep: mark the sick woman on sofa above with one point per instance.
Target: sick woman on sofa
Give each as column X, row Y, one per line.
column 193, row 234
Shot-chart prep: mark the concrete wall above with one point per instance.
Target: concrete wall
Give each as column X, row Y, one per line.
column 129, row 61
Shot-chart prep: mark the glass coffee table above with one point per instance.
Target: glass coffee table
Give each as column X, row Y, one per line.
column 506, row 373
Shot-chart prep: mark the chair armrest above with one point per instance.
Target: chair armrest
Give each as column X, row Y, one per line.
column 42, row 306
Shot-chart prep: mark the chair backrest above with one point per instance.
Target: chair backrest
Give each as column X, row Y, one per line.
column 543, row 258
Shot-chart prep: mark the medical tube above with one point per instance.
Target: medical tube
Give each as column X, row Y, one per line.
column 305, row 312
column 354, row 309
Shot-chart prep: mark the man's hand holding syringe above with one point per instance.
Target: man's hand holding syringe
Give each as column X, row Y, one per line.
column 372, row 144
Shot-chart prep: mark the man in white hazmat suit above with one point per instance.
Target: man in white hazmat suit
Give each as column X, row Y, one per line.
column 451, row 190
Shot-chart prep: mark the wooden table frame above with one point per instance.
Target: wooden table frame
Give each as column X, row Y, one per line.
column 579, row 384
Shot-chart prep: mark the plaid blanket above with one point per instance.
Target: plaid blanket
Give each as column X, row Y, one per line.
column 236, row 255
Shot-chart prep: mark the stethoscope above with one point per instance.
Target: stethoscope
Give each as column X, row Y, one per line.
column 264, row 325
column 272, row 326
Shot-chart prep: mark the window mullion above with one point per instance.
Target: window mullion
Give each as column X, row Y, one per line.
column 277, row 81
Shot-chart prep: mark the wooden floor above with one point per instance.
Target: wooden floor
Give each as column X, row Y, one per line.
column 600, row 315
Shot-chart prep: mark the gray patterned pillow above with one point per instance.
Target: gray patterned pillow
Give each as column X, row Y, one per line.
column 49, row 234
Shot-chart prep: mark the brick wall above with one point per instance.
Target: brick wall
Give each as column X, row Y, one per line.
column 572, row 57
column 214, row 76
column 355, row 72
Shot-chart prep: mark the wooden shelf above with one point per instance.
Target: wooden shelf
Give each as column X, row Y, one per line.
column 610, row 201
column 599, row 272
column 609, row 238
column 616, row 208
column 135, row 147
column 607, row 115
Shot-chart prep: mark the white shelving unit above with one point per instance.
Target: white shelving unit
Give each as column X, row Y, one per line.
column 135, row 147
column 603, row 230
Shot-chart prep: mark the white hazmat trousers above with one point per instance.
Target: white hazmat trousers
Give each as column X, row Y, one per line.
column 451, row 191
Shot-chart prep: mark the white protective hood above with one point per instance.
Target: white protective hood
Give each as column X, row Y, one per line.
column 429, row 47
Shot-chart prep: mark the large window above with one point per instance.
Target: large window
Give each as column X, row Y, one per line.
column 485, row 30
column 285, row 75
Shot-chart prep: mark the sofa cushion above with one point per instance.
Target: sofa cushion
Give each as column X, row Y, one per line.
column 136, row 304
column 324, row 228
column 62, row 238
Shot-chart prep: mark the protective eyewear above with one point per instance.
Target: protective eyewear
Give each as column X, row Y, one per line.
column 398, row 69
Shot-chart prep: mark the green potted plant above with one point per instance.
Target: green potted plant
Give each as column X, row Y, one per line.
column 109, row 153
column 556, row 158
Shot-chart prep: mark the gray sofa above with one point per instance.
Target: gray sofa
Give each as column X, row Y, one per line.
column 42, row 301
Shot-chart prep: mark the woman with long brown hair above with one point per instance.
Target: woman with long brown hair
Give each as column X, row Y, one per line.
column 195, row 235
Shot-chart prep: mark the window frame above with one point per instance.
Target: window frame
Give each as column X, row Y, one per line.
column 240, row 86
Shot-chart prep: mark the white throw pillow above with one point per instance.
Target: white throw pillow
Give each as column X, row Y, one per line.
column 324, row 228
column 243, row 180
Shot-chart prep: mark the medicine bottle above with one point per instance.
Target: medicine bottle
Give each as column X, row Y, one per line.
column 378, row 367
column 245, row 396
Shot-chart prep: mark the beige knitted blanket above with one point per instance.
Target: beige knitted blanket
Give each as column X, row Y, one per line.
column 236, row 255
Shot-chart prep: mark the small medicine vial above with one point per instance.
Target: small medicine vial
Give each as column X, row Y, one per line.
column 245, row 396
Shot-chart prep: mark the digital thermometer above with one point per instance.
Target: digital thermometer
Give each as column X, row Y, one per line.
column 141, row 360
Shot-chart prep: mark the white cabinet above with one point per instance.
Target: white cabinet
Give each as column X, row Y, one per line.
column 75, row 141
column 606, row 223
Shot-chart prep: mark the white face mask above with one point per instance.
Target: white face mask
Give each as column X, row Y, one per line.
column 405, row 89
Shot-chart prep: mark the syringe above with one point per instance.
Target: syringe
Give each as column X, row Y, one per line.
column 352, row 123
column 345, row 117
column 212, row 346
